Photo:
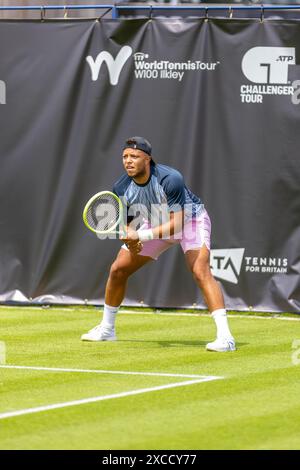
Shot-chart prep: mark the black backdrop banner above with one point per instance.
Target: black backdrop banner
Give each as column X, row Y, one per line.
column 218, row 100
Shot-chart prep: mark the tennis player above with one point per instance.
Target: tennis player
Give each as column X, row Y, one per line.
column 169, row 214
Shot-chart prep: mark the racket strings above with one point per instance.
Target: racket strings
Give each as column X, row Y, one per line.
column 103, row 214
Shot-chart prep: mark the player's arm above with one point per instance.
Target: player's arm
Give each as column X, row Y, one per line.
column 165, row 230
column 174, row 225
column 133, row 244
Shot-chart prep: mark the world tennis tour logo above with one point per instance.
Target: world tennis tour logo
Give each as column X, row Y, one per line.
column 114, row 66
column 145, row 67
column 268, row 68
column 153, row 69
column 226, row 264
column 2, row 92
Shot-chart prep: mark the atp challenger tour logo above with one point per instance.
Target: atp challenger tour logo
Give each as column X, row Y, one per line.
column 144, row 68
column 268, row 68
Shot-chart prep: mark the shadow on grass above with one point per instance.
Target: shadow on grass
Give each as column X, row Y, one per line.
column 175, row 343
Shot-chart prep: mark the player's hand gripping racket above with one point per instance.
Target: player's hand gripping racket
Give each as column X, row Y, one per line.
column 103, row 214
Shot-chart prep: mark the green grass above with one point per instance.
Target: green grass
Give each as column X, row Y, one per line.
column 255, row 406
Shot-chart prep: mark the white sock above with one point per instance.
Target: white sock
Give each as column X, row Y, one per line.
column 109, row 316
column 220, row 318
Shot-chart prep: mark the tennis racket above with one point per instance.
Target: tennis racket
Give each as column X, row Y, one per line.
column 103, row 214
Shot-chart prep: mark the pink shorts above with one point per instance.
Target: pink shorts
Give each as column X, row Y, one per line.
column 194, row 235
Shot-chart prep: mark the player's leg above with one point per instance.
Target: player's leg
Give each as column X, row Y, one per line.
column 196, row 246
column 198, row 262
column 124, row 265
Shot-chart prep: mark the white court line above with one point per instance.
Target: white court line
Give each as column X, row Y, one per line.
column 97, row 371
column 246, row 315
column 11, row 414
column 275, row 316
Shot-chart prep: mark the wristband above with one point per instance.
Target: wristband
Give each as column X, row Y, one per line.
column 145, row 235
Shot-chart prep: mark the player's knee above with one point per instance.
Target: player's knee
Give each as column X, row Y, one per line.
column 201, row 274
column 118, row 272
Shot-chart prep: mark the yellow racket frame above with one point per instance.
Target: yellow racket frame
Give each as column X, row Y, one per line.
column 120, row 220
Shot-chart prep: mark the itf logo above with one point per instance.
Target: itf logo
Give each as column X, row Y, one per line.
column 2, row 92
column 268, row 64
column 226, row 264
column 114, row 66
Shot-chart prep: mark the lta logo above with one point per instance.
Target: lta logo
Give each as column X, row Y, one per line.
column 226, row 264
column 114, row 66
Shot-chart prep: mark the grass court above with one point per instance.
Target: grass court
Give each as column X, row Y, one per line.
column 155, row 388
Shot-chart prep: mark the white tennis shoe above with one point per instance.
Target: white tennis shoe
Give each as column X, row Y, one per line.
column 100, row 333
column 221, row 345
